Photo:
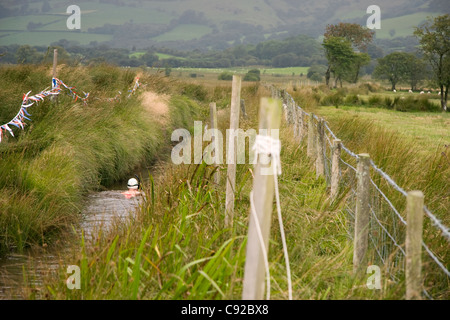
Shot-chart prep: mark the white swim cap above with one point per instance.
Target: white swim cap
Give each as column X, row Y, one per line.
column 133, row 183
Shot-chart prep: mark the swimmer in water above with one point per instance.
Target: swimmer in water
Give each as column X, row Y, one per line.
column 133, row 186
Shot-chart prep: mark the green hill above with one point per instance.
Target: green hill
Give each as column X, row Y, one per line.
column 198, row 24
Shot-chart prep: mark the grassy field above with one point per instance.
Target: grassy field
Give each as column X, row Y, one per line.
column 264, row 71
column 167, row 56
column 403, row 26
column 176, row 246
column 206, row 76
column 429, row 131
column 179, row 249
column 160, row 55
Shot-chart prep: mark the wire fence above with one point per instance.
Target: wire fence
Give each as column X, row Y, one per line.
column 387, row 226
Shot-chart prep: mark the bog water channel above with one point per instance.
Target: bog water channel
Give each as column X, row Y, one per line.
column 101, row 211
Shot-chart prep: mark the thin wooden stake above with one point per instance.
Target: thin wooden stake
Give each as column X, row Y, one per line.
column 263, row 194
column 362, row 213
column 244, row 113
column 335, row 168
column 300, row 125
column 55, row 62
column 232, row 150
column 311, row 152
column 414, row 227
column 213, row 124
column 53, row 98
column 294, row 119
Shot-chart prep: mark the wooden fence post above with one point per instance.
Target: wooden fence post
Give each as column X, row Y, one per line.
column 232, row 150
column 335, row 168
column 414, row 227
column 294, row 119
column 320, row 152
column 55, row 62
column 285, row 107
column 311, row 137
column 291, row 113
column 263, row 193
column 244, row 113
column 300, row 125
column 213, row 124
column 362, row 214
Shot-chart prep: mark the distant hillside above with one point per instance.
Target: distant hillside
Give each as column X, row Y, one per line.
column 199, row 24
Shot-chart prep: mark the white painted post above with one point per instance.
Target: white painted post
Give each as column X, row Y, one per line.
column 414, row 228
column 232, row 150
column 362, row 213
column 263, row 194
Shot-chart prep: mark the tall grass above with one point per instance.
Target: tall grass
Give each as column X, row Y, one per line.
column 353, row 96
column 176, row 246
column 70, row 149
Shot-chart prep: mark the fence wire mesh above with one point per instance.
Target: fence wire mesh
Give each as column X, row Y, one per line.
column 387, row 227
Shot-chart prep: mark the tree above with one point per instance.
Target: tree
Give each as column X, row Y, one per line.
column 149, row 58
column 316, row 72
column 225, row 76
column 393, row 67
column 341, row 58
column 361, row 59
column 358, row 38
column 167, row 70
column 46, row 7
column 434, row 39
column 417, row 71
column 27, row 54
column 285, row 60
column 252, row 75
column 33, row 26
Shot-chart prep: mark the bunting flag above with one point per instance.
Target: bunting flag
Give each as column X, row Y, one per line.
column 27, row 101
column 57, row 87
column 136, row 85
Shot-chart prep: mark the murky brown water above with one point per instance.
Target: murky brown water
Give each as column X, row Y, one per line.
column 102, row 210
